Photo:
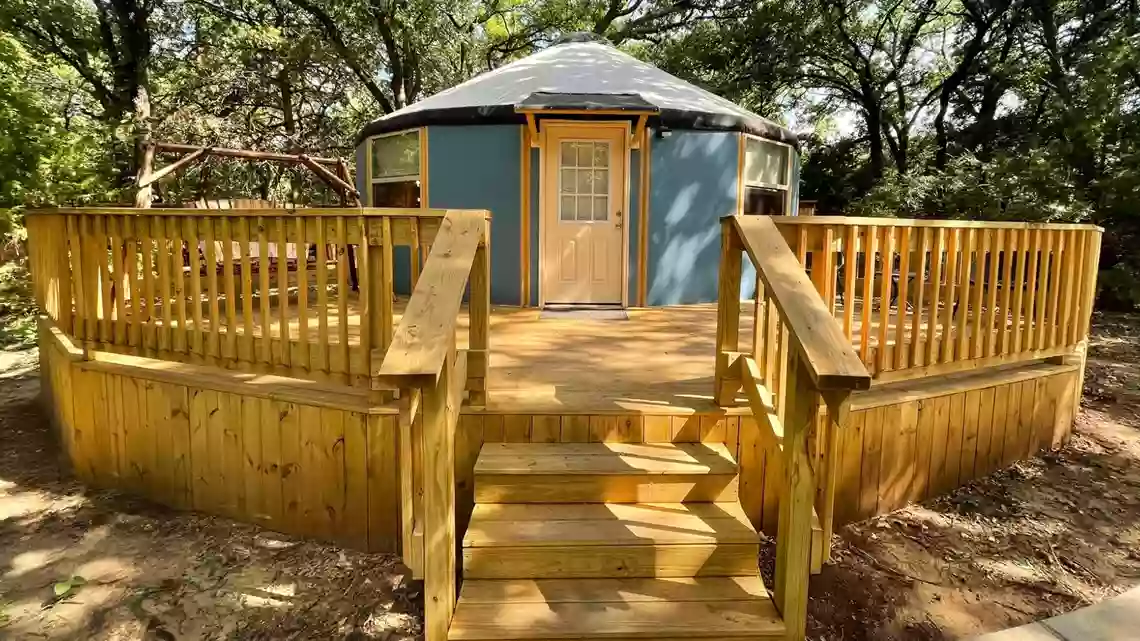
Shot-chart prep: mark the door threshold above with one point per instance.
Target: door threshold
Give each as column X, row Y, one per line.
column 585, row 312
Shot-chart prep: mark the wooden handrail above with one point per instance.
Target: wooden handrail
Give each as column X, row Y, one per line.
column 928, row 223
column 426, row 333
column 367, row 212
column 830, row 360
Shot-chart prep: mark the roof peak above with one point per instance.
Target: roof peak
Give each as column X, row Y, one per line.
column 581, row 36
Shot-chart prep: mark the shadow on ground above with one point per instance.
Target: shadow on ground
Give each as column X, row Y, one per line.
column 1029, row 542
column 145, row 572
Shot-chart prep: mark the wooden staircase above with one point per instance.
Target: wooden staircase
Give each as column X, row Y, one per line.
column 610, row 541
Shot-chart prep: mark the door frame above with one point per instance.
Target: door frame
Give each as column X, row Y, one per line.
column 544, row 173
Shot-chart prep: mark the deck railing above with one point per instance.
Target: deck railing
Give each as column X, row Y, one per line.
column 430, row 373
column 800, row 369
column 838, row 300
column 306, row 293
column 925, row 297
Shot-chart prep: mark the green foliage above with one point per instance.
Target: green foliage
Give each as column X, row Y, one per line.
column 66, row 588
column 1004, row 109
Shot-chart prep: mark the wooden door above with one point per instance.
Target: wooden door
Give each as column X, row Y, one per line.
column 583, row 214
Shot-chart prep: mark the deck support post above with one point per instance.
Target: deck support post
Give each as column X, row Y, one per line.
column 726, row 378
column 440, row 407
column 793, row 536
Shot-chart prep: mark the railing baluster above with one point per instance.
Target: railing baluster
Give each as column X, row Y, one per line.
column 479, row 312
column 118, row 281
column 850, row 267
column 901, row 346
column 1030, row 311
column 870, row 234
column 1087, row 270
column 75, row 244
column 887, row 245
column 247, row 349
column 982, row 240
column 165, row 338
column 829, row 268
column 1056, row 275
column 229, row 351
column 178, row 272
column 1009, row 240
column 134, row 330
column 214, row 346
column 966, row 274
column 265, row 321
column 993, row 283
column 932, row 335
column 366, row 309
column 144, row 226
column 414, row 249
column 306, row 362
column 946, row 342
column 247, row 353
column 1041, row 294
column 918, row 336
column 1073, row 248
column 728, row 313
column 1021, row 254
column 322, row 268
column 194, row 258
column 342, row 296
column 282, row 250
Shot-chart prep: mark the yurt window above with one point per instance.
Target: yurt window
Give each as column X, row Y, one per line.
column 767, row 170
column 395, row 169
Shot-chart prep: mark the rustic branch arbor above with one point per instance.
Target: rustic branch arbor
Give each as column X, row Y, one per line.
column 586, row 478
column 332, row 171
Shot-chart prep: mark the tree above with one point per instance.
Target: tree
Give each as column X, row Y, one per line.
column 110, row 45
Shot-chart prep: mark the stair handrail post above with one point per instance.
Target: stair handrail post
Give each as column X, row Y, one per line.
column 726, row 375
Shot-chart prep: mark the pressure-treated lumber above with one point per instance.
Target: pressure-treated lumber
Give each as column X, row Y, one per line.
column 610, row 472
column 428, row 325
column 658, row 609
column 827, row 355
column 504, row 525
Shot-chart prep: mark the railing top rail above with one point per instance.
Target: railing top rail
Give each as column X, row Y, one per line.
column 373, row 212
column 427, row 328
column 828, row 355
column 915, row 222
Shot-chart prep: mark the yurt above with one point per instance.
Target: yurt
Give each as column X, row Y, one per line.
column 605, row 176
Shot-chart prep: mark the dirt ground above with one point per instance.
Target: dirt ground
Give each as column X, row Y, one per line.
column 1033, row 541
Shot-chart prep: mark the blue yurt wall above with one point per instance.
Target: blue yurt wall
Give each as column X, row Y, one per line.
column 693, row 182
column 479, row 167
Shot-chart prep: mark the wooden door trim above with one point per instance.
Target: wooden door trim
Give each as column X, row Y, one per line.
column 555, row 126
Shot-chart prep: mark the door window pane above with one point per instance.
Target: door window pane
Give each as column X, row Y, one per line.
column 601, row 208
column 568, row 154
column 584, row 181
column 585, row 208
column 600, row 179
column 567, row 208
column 601, row 154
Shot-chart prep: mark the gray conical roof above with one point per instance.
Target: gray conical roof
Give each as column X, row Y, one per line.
column 579, row 75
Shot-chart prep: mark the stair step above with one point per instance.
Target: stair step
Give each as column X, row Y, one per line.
column 662, row 609
column 610, row 472
column 599, row 540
